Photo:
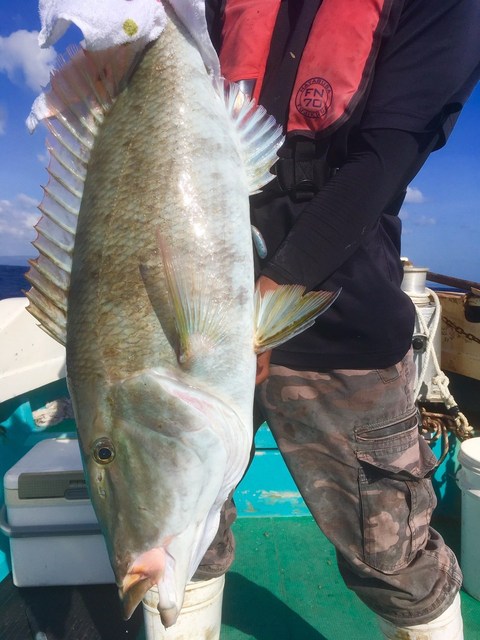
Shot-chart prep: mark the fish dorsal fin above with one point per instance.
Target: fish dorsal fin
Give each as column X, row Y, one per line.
column 82, row 90
column 258, row 134
column 285, row 312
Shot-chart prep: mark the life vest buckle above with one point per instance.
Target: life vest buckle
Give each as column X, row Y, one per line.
column 303, row 191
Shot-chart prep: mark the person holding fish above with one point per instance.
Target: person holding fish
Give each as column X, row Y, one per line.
column 146, row 274
column 365, row 91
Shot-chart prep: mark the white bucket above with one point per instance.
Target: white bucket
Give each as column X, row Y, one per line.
column 469, row 481
column 200, row 617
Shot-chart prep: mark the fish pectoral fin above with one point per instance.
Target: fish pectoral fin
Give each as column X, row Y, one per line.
column 199, row 321
column 259, row 135
column 285, row 312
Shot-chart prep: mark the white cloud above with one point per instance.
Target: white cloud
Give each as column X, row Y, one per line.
column 22, row 59
column 3, row 119
column 411, row 218
column 27, row 200
column 414, row 195
column 424, row 221
column 17, row 218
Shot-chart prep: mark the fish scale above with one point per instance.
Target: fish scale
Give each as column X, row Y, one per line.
column 131, row 195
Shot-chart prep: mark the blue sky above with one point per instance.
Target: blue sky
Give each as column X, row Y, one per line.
column 440, row 216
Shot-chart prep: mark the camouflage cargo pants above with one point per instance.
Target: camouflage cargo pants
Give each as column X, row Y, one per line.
column 350, row 440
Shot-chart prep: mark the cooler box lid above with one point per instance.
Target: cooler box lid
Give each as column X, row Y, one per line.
column 51, row 469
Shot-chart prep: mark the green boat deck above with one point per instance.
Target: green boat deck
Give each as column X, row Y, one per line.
column 284, row 585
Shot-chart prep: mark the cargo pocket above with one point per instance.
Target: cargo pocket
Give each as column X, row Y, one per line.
column 397, row 498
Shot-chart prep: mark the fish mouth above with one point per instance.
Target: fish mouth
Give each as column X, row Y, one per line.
column 132, row 593
column 145, row 572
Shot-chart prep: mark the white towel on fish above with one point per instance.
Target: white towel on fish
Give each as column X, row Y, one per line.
column 104, row 24
column 110, row 23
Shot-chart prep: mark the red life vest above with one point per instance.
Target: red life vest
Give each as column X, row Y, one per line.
column 336, row 63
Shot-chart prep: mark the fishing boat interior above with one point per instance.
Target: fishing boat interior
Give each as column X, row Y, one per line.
column 55, row 579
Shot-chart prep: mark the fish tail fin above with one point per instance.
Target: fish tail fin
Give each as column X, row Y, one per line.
column 82, row 89
column 259, row 135
column 285, row 312
column 192, row 15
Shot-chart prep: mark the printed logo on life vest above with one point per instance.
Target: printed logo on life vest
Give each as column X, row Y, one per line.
column 314, row 98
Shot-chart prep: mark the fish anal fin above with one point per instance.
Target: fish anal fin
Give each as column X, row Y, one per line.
column 285, row 312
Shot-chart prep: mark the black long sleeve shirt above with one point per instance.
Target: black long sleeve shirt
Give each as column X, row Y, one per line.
column 348, row 234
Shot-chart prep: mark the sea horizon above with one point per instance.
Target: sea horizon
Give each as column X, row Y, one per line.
column 12, row 279
column 15, row 261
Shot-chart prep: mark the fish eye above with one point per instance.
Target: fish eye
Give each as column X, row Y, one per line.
column 103, row 451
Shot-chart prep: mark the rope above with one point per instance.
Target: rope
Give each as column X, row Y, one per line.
column 430, row 333
column 462, row 429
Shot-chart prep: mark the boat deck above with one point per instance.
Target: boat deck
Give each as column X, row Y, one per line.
column 284, row 585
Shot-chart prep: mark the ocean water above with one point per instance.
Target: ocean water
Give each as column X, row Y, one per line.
column 12, row 281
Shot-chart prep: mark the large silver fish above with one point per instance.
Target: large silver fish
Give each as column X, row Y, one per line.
column 146, row 274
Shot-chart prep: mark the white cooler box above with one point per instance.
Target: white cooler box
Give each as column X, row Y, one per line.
column 54, row 533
